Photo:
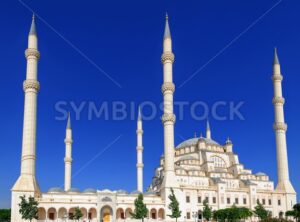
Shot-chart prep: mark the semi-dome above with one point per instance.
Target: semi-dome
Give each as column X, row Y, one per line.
column 187, row 158
column 55, row 190
column 194, row 142
column 90, row 190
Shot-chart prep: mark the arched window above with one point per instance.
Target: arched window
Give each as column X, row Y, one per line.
column 218, row 161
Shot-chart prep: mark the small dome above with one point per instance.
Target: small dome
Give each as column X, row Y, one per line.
column 136, row 192
column 74, row 190
column 90, row 190
column 55, row 190
column 122, row 192
column 151, row 193
column 261, row 174
column 228, row 141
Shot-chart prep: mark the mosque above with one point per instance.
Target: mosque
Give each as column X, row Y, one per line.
column 197, row 169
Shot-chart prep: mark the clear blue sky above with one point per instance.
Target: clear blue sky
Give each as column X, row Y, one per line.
column 124, row 38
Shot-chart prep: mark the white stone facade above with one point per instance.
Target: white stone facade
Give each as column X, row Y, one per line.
column 197, row 169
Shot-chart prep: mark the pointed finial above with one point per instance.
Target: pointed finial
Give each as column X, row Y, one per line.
column 201, row 135
column 167, row 28
column 276, row 60
column 69, row 121
column 140, row 114
column 32, row 27
column 195, row 135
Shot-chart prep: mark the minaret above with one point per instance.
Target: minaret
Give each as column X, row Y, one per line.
column 31, row 86
column 139, row 149
column 68, row 155
column 280, row 128
column 26, row 183
column 208, row 132
column 168, row 117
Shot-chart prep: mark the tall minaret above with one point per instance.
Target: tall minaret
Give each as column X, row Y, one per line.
column 26, row 183
column 168, row 117
column 139, row 149
column 280, row 128
column 31, row 86
column 68, row 155
column 208, row 132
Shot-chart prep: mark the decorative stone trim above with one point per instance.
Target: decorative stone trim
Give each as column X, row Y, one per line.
column 168, row 118
column 277, row 77
column 167, row 56
column 67, row 140
column 139, row 131
column 32, row 52
column 168, row 86
column 280, row 126
column 29, row 157
column 31, row 84
column 139, row 165
column 278, row 100
column 139, row 148
column 68, row 159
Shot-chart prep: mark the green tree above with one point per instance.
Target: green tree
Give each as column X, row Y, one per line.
column 77, row 214
column 232, row 214
column 260, row 211
column 28, row 208
column 294, row 213
column 5, row 215
column 207, row 211
column 244, row 213
column 140, row 211
column 174, row 206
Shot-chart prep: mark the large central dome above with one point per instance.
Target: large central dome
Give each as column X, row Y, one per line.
column 194, row 142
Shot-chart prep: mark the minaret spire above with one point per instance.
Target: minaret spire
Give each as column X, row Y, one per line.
column 208, row 132
column 280, row 128
column 139, row 149
column 26, row 183
column 168, row 117
column 68, row 155
column 276, row 60
column 33, row 27
column 167, row 33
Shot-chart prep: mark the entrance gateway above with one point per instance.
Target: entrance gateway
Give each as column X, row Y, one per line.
column 106, row 214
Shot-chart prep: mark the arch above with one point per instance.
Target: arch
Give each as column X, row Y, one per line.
column 106, row 213
column 161, row 214
column 92, row 214
column 62, row 213
column 41, row 214
column 153, row 213
column 84, row 212
column 120, row 213
column 127, row 213
column 52, row 215
column 71, row 213
column 218, row 161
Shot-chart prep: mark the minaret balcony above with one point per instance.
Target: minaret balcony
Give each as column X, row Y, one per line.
column 167, row 57
column 32, row 52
